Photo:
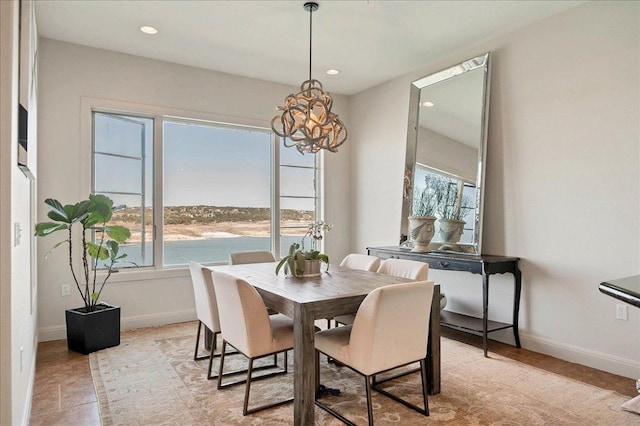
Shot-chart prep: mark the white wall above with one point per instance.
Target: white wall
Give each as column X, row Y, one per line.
column 563, row 182
column 70, row 72
column 18, row 339
column 435, row 150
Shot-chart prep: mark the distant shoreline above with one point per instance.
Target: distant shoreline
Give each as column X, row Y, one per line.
column 184, row 223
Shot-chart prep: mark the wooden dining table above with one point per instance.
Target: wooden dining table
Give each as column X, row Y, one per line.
column 339, row 291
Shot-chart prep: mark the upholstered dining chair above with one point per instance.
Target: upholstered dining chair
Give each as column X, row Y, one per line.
column 257, row 256
column 243, row 257
column 362, row 262
column 402, row 268
column 381, row 340
column 206, row 310
column 246, row 325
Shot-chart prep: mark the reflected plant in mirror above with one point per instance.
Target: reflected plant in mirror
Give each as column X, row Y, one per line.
column 422, row 219
column 446, row 145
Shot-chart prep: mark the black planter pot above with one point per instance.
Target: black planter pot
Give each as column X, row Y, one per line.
column 91, row 331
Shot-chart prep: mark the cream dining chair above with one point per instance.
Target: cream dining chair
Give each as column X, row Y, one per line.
column 402, row 268
column 246, row 325
column 206, row 310
column 381, row 340
column 243, row 257
column 362, row 262
column 258, row 256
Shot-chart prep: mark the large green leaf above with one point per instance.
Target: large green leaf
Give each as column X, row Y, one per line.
column 300, row 261
column 47, row 228
column 118, row 233
column 59, row 243
column 100, row 208
column 325, row 259
column 56, row 211
column 283, row 261
column 97, row 251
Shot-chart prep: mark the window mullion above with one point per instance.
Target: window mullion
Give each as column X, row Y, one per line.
column 158, row 202
column 275, row 195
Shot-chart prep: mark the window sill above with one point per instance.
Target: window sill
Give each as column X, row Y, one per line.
column 149, row 273
column 144, row 274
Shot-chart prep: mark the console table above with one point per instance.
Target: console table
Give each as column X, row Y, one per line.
column 484, row 265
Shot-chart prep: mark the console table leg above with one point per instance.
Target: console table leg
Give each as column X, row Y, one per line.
column 485, row 310
column 516, row 304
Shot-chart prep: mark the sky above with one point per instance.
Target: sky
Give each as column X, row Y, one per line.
column 203, row 165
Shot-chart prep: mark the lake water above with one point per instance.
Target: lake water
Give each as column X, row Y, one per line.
column 206, row 251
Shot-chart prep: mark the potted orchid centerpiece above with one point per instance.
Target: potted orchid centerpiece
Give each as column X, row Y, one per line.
column 302, row 262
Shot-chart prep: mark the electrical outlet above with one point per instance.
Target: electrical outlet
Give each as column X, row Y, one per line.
column 65, row 289
column 621, row 312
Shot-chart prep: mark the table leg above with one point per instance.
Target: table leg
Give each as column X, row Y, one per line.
column 304, row 381
column 517, row 276
column 433, row 347
column 485, row 310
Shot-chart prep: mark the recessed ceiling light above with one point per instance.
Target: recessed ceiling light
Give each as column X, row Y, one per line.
column 333, row 71
column 427, row 104
column 148, row 29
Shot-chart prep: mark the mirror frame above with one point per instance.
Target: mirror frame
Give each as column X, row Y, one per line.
column 482, row 61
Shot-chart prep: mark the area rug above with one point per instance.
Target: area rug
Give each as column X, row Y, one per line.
column 152, row 379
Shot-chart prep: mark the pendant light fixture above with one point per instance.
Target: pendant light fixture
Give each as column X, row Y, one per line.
column 306, row 121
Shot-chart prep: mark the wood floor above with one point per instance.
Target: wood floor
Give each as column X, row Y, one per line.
column 64, row 393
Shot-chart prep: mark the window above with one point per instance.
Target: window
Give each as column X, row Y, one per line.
column 122, row 170
column 298, row 195
column 463, row 200
column 219, row 188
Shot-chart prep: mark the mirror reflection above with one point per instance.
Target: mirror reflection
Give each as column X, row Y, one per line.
column 445, row 158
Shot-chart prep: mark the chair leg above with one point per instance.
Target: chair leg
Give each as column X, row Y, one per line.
column 423, row 368
column 369, row 409
column 213, row 348
column 221, row 366
column 195, row 353
column 247, row 388
column 245, row 408
column 423, row 371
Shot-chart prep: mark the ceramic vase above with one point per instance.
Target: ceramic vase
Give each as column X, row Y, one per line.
column 421, row 231
column 451, row 230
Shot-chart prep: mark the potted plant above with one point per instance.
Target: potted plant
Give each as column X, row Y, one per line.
column 451, row 209
column 306, row 263
column 96, row 325
column 423, row 209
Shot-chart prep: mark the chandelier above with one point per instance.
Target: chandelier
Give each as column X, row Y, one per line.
column 306, row 119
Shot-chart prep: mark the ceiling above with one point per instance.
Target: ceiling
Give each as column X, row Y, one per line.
column 369, row 41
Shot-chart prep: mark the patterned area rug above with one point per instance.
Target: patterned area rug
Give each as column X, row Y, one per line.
column 151, row 379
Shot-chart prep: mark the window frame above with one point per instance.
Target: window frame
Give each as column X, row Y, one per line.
column 90, row 105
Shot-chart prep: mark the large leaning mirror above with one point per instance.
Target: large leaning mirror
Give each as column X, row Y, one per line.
column 444, row 171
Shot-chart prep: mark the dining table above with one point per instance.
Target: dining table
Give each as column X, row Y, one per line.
column 338, row 291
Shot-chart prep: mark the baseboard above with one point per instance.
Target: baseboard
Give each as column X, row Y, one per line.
column 594, row 359
column 127, row 323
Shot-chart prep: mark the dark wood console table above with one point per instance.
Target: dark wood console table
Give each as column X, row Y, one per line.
column 484, row 265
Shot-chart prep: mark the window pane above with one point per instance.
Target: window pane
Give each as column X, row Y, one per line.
column 123, row 171
column 297, row 182
column 217, row 192
column 291, row 157
column 128, row 172
column 119, row 134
